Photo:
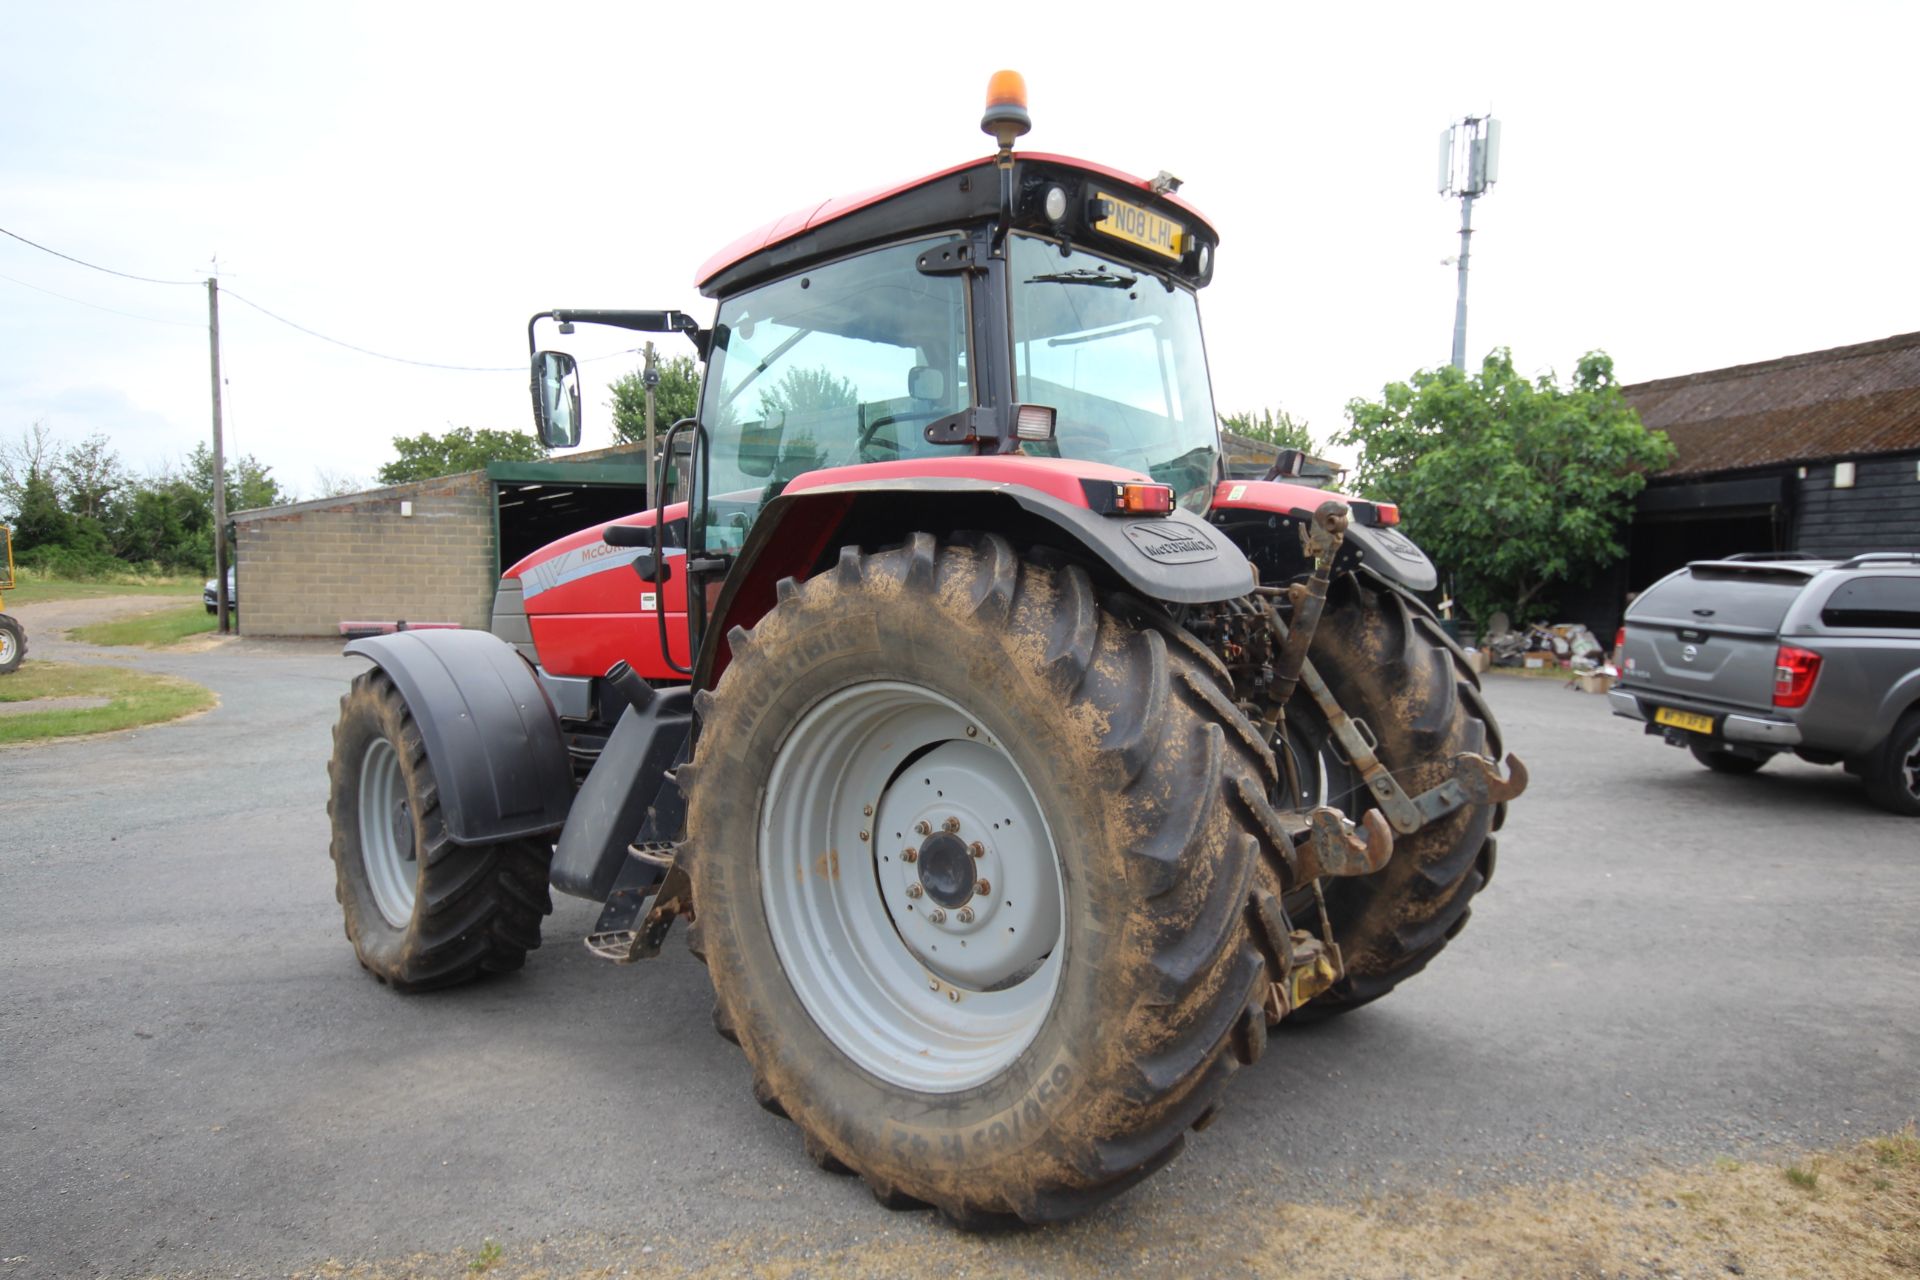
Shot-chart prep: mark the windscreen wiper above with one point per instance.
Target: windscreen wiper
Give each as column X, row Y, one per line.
column 1081, row 275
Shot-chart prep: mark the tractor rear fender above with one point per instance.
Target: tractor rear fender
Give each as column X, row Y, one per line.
column 1264, row 519
column 490, row 732
column 1176, row 558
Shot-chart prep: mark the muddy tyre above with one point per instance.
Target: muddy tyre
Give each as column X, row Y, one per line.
column 1390, row 665
column 421, row 911
column 13, row 644
column 1048, row 1039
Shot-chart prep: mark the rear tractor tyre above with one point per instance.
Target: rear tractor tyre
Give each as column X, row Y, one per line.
column 1722, row 761
column 1390, row 665
column 421, row 911
column 971, row 881
column 1893, row 777
column 13, row 644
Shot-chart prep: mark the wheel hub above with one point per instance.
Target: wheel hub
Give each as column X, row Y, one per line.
column 946, row 870
column 403, row 831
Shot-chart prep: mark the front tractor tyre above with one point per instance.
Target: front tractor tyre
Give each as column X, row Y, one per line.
column 971, row 872
column 421, row 911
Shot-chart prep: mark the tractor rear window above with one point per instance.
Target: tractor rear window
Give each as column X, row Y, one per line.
column 843, row 364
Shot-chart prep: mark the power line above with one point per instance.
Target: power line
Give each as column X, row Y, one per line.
column 380, row 355
column 124, row 275
column 131, row 315
column 312, row 333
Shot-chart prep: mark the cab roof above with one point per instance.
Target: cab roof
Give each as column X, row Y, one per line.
column 959, row 194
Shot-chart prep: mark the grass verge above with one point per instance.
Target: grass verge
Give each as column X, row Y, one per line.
column 1860, row 1218
column 162, row 627
column 134, row 698
column 31, row 589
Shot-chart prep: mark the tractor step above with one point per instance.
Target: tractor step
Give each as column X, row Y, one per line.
column 650, row 876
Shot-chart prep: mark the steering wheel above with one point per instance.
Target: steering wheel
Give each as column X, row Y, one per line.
column 866, row 440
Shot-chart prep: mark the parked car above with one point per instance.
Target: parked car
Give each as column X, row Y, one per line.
column 209, row 598
column 1741, row 659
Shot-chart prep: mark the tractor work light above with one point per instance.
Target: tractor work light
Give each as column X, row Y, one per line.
column 1033, row 422
column 1056, row 204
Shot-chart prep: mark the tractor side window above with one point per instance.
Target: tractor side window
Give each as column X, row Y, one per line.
column 1118, row 355
column 839, row 365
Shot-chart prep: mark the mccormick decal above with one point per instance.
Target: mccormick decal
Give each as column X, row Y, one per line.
column 581, row 562
column 1168, row 542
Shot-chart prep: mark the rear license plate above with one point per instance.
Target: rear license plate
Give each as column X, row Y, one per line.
column 1140, row 226
column 1687, row 720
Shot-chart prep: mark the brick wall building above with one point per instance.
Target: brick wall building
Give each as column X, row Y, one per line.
column 422, row 552
column 425, row 551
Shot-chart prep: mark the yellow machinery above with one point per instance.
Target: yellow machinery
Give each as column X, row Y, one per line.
column 13, row 637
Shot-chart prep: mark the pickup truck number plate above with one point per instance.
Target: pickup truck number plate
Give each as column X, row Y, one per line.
column 1683, row 720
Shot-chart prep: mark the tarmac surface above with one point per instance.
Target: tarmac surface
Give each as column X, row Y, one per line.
column 197, row 1078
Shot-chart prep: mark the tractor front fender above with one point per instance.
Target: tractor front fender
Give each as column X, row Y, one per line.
column 1177, row 558
column 491, row 734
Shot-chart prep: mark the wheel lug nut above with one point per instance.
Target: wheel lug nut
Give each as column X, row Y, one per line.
column 950, row 826
column 867, row 809
column 966, row 915
column 923, row 828
column 914, row 891
column 953, row 995
column 977, row 849
column 937, row 916
column 982, row 886
column 909, row 855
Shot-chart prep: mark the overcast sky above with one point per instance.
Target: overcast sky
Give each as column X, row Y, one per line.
column 1683, row 186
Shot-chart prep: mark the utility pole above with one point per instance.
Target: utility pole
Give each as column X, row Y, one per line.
column 650, row 379
column 1469, row 166
column 219, row 464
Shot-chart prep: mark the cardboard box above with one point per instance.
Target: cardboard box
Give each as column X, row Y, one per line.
column 1534, row 661
column 1593, row 682
column 1480, row 659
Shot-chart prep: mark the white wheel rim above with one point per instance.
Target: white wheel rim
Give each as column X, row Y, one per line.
column 386, row 833
column 920, row 978
column 6, row 646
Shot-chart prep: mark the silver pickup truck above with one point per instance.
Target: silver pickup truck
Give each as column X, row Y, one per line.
column 1741, row 659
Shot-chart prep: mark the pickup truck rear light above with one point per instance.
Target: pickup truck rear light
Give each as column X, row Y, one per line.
column 1794, row 671
column 1620, row 639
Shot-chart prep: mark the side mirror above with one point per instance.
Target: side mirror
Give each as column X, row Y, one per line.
column 556, row 399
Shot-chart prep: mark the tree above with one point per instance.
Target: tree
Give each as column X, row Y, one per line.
column 250, row 482
column 1508, row 484
column 328, row 483
column 1276, row 427
column 425, row 456
column 677, row 397
column 90, row 474
column 804, row 390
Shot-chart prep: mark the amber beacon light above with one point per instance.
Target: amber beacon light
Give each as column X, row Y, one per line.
column 1006, row 117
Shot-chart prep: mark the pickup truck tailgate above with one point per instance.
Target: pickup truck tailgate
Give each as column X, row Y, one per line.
column 1710, row 633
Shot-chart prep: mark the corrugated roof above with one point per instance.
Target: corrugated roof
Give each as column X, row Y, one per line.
column 1842, row 403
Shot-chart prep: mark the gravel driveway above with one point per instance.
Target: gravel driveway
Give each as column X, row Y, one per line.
column 195, row 1076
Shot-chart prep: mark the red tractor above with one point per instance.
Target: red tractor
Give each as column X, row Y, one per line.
column 1015, row 769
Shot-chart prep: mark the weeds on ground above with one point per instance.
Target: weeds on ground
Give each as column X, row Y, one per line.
column 483, row 1261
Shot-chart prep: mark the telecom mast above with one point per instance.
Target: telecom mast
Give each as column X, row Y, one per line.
column 1469, row 166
